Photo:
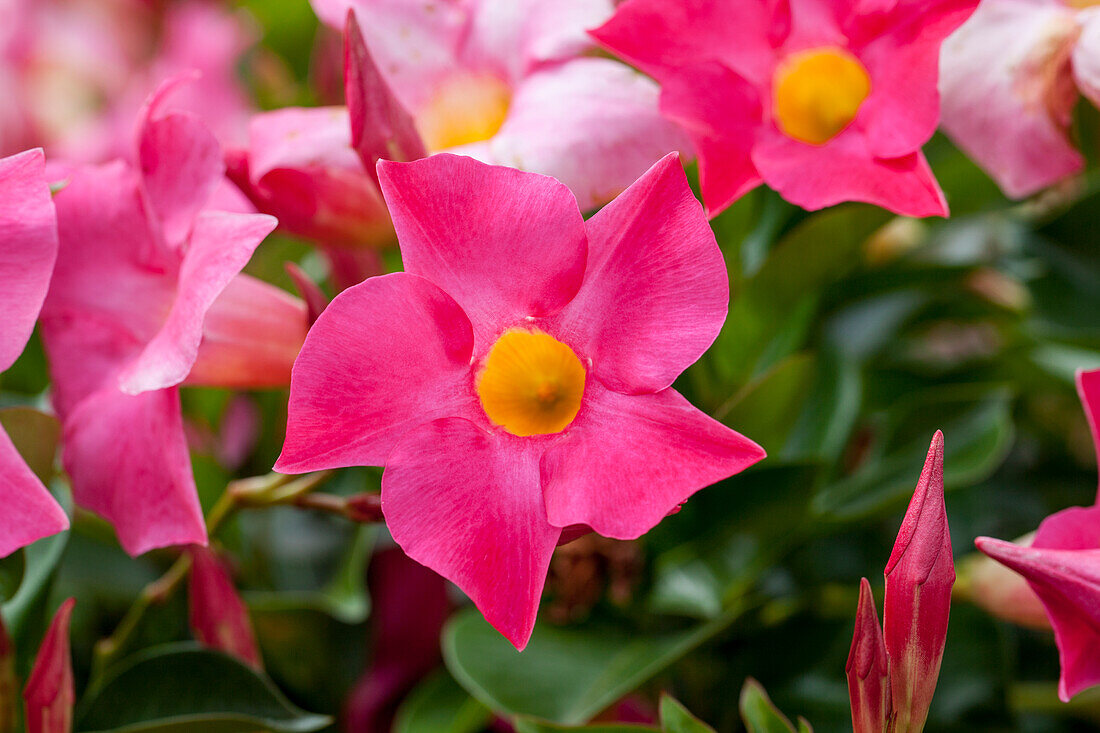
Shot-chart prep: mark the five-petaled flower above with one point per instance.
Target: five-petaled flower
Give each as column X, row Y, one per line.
column 515, row 380
column 824, row 101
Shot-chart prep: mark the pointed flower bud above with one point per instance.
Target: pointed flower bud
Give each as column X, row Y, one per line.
column 218, row 617
column 8, row 693
column 868, row 676
column 49, row 695
column 919, row 577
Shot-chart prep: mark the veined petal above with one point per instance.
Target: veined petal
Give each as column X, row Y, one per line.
column 386, row 355
column 1076, row 528
column 505, row 244
column 591, row 123
column 220, row 245
column 627, row 461
column 656, row 290
column 28, row 248
column 467, row 504
column 30, row 513
column 128, row 460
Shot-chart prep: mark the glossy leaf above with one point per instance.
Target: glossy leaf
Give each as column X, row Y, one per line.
column 440, row 705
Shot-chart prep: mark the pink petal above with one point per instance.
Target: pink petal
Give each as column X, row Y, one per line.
column 128, row 460
column 1008, row 95
column 220, row 245
column 868, row 680
column 49, row 695
column 1076, row 528
column 1068, row 584
column 1086, row 55
column 387, row 355
column 919, row 577
column 467, row 503
column 30, row 513
column 662, row 36
column 845, row 169
column 251, row 336
column 903, row 61
column 181, row 162
column 216, row 613
column 380, row 127
column 591, row 123
column 28, row 248
column 1088, row 387
column 655, row 292
column 627, row 461
column 721, row 112
column 505, row 244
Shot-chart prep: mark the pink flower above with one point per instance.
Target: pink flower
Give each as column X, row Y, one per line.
column 868, row 675
column 824, row 101
column 514, row 381
column 146, row 294
column 28, row 248
column 1088, row 389
column 217, row 614
column 49, row 694
column 1011, row 77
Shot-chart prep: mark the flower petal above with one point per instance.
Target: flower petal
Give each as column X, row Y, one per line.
column 1008, row 95
column 387, row 355
column 220, row 245
column 467, row 504
column 627, row 461
column 505, row 244
column 28, row 248
column 50, row 695
column 1076, row 528
column 591, row 123
column 128, row 460
column 30, row 513
column 1086, row 55
column 845, row 169
column 656, row 290
column 1088, row 387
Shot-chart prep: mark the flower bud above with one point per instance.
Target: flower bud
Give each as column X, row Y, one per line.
column 218, row 617
column 868, row 675
column 49, row 695
column 919, row 577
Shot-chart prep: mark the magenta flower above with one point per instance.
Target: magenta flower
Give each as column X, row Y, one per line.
column 146, row 294
column 823, row 101
column 1088, row 389
column 28, row 248
column 216, row 613
column 1011, row 77
column 514, row 381
column 49, row 695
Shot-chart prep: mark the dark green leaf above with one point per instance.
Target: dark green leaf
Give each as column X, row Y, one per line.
column 529, row 725
column 440, row 705
column 11, row 574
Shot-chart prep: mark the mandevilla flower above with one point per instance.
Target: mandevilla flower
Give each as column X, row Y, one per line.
column 514, row 381
column 1010, row 79
column 892, row 672
column 28, row 248
column 1062, row 566
column 49, row 696
column 147, row 294
column 823, row 100
column 218, row 616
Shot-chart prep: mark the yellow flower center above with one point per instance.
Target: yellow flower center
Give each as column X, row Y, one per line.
column 818, row 93
column 1082, row 4
column 531, row 384
column 467, row 109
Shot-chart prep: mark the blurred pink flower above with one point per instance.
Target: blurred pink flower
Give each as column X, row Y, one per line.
column 823, row 101
column 217, row 614
column 1062, row 566
column 147, row 294
column 28, row 248
column 74, row 73
column 49, row 695
column 1011, row 76
column 515, row 379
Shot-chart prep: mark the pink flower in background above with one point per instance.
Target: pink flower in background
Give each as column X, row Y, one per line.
column 50, row 696
column 28, row 248
column 218, row 616
column 147, row 294
column 1011, row 77
column 893, row 671
column 514, row 381
column 823, row 101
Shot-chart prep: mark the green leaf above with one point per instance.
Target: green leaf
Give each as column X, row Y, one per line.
column 34, row 434
column 566, row 675
column 25, row 613
column 440, row 705
column 12, row 568
column 181, row 688
column 675, row 718
column 768, row 408
column 758, row 711
column 529, row 725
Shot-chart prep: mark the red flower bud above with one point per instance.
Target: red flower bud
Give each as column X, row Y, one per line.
column 868, row 675
column 49, row 695
column 218, row 617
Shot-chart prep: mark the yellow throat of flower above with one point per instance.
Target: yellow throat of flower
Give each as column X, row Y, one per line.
column 531, row 384
column 466, row 109
column 818, row 93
